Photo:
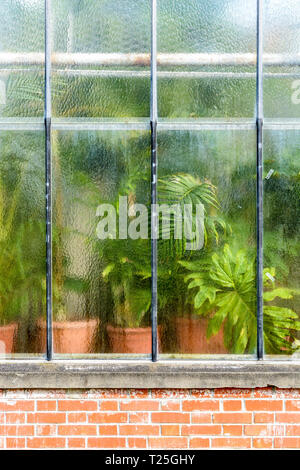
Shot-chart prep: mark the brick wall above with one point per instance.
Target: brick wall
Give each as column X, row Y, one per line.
column 139, row 419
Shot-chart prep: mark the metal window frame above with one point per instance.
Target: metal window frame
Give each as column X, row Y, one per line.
column 154, row 125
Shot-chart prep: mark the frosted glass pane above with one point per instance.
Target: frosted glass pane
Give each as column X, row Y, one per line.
column 99, row 81
column 281, row 239
column 21, row 76
column 22, row 243
column 207, row 295
column 282, row 37
column 205, row 86
column 101, row 283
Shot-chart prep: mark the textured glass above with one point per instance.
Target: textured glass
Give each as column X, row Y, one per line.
column 22, row 240
column 99, row 47
column 21, row 58
column 101, row 281
column 220, row 80
column 281, row 240
column 207, row 295
column 282, row 40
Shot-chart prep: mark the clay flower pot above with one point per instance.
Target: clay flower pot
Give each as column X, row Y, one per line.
column 7, row 335
column 191, row 337
column 70, row 337
column 130, row 340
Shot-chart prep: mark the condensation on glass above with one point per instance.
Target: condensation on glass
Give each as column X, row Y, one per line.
column 101, row 60
column 281, row 239
column 100, row 136
column 101, row 282
column 21, row 58
column 206, row 58
column 22, row 240
column 203, row 304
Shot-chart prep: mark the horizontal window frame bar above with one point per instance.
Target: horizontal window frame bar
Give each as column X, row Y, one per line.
column 28, row 124
column 144, row 59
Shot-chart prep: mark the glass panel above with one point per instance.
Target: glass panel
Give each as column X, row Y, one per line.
column 206, row 44
column 21, row 74
column 207, row 285
column 22, row 241
column 282, row 38
column 101, row 272
column 107, row 39
column 281, row 241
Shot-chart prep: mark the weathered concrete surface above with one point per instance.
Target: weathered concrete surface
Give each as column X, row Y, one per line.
column 77, row 374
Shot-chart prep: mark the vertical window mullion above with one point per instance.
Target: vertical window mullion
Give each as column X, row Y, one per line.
column 154, row 215
column 259, row 178
column 48, row 169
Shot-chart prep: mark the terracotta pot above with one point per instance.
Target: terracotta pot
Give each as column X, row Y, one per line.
column 130, row 340
column 7, row 335
column 191, row 337
column 70, row 337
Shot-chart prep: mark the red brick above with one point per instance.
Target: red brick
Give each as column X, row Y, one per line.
column 233, row 393
column 232, row 418
column 77, row 405
column 170, row 430
column 168, row 443
column 172, row 417
column 13, row 430
column 46, row 443
column 264, row 417
column 292, row 430
column 46, row 405
column 288, row 417
column 139, row 405
column 106, row 442
column 262, row 443
column 46, row 430
column 292, row 405
column 54, row 418
column 200, row 405
column 263, row 405
column 77, row 430
column 209, row 430
column 108, row 430
column 77, row 417
column 108, row 418
column 232, row 405
column 170, row 405
column 139, row 393
column 232, row 442
column 76, row 443
column 15, row 443
column 198, row 417
column 173, row 393
column 199, row 443
column 263, row 430
column 139, row 430
column 109, row 405
column 232, row 430
column 139, row 417
column 266, row 392
column 137, row 443
column 195, row 393
column 15, row 418
column 287, row 443
column 17, row 405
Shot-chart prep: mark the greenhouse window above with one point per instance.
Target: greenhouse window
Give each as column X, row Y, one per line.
column 149, row 186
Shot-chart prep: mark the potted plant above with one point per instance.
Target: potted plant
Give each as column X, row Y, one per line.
column 189, row 331
column 224, row 292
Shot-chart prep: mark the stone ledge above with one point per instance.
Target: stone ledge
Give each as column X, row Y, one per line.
column 86, row 374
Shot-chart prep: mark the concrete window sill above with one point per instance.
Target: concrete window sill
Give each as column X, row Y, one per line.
column 84, row 374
